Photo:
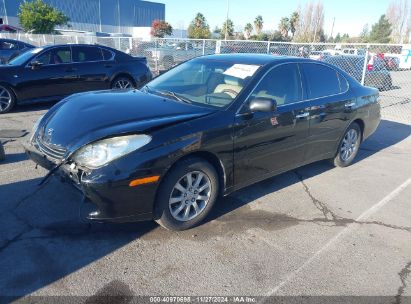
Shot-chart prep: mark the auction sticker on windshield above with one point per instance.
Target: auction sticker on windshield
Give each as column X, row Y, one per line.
column 241, row 70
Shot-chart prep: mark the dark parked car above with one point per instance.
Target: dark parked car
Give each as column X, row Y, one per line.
column 376, row 74
column 392, row 63
column 53, row 72
column 208, row 127
column 11, row 48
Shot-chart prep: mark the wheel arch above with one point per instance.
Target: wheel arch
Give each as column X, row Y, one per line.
column 205, row 155
column 361, row 123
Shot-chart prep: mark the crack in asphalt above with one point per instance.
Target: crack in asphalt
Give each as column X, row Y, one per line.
column 403, row 277
column 333, row 218
column 28, row 226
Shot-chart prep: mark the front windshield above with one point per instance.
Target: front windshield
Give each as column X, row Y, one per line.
column 204, row 82
column 22, row 58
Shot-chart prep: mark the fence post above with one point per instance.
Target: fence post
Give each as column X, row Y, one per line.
column 268, row 47
column 364, row 69
column 204, row 42
column 156, row 57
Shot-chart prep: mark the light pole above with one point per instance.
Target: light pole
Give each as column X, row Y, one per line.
column 226, row 20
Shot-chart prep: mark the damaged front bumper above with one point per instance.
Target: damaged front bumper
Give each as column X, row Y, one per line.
column 107, row 188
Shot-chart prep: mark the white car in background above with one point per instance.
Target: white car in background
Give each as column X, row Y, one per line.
column 319, row 55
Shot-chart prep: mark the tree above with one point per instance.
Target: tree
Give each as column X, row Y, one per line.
column 294, row 19
column 381, row 31
column 40, row 18
column 258, row 24
column 199, row 28
column 310, row 22
column 399, row 15
column 337, row 38
column 248, row 29
column 228, row 27
column 284, row 26
column 364, row 33
column 160, row 28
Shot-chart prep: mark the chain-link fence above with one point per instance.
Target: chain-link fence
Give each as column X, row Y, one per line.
column 384, row 66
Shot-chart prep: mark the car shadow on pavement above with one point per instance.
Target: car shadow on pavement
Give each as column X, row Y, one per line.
column 14, row 158
column 387, row 134
column 43, row 239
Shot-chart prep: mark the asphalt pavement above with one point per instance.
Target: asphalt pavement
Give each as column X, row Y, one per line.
column 315, row 231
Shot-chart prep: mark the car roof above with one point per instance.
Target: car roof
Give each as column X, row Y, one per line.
column 13, row 40
column 48, row 46
column 257, row 59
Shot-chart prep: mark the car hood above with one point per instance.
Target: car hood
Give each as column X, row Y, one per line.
column 84, row 118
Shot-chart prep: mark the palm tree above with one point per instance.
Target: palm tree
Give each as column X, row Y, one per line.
column 284, row 26
column 258, row 24
column 248, row 29
column 295, row 18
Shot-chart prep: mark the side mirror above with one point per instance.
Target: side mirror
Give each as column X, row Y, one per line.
column 35, row 64
column 263, row 104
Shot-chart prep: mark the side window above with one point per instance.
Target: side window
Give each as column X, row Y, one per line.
column 87, row 53
column 321, row 80
column 283, row 84
column 108, row 55
column 55, row 56
column 5, row 45
column 44, row 58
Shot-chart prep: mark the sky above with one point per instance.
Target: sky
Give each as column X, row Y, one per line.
column 350, row 15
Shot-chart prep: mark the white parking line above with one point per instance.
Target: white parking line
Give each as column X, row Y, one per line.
column 365, row 215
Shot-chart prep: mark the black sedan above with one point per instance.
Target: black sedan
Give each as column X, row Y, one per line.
column 53, row 72
column 10, row 48
column 206, row 128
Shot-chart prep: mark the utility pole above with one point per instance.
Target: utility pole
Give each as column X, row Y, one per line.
column 226, row 21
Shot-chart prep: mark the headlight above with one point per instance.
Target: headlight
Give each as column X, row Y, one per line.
column 98, row 154
column 34, row 130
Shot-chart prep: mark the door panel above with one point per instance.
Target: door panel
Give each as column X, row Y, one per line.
column 55, row 77
column 267, row 143
column 328, row 90
column 92, row 70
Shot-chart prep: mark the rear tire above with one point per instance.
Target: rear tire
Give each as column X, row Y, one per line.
column 349, row 146
column 7, row 99
column 122, row 83
column 187, row 194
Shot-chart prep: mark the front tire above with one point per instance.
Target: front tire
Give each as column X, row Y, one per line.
column 187, row 194
column 7, row 99
column 349, row 146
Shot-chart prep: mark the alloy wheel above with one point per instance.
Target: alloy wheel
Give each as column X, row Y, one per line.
column 5, row 99
column 349, row 145
column 190, row 196
column 123, row 84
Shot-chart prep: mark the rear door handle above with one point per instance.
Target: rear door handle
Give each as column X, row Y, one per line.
column 350, row 105
column 302, row 115
column 68, row 70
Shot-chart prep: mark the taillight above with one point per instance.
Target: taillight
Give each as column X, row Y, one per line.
column 370, row 67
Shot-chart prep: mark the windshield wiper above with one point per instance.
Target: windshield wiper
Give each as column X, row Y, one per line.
column 170, row 94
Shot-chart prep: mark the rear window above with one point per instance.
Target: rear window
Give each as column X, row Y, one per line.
column 321, row 80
